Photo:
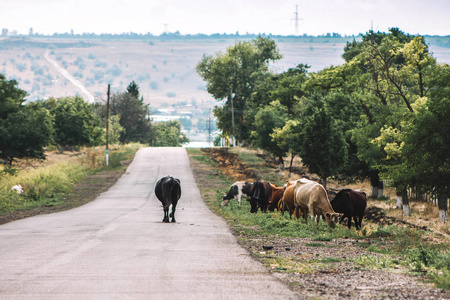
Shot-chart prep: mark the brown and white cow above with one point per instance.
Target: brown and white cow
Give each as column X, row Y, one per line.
column 237, row 189
column 311, row 197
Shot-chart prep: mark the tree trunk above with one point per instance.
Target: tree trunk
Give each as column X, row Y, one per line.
column 405, row 203
column 290, row 164
column 281, row 162
column 324, row 180
column 374, row 179
column 443, row 207
column 380, row 188
column 399, row 199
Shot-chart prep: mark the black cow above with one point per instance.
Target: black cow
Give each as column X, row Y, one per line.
column 352, row 204
column 260, row 193
column 168, row 191
column 237, row 189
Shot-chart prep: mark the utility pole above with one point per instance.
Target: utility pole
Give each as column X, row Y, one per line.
column 296, row 19
column 107, row 124
column 209, row 138
column 232, row 118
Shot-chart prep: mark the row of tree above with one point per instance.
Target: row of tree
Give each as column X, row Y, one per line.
column 26, row 129
column 384, row 114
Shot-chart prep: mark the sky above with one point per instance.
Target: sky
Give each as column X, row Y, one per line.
column 315, row 17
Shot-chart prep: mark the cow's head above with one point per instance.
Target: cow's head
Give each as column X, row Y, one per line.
column 332, row 219
column 234, row 190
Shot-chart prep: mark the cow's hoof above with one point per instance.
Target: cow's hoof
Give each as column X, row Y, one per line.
column 173, row 220
column 165, row 220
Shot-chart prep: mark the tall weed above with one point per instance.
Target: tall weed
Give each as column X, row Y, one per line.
column 51, row 181
column 40, row 183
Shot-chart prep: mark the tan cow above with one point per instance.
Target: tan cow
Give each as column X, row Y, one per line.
column 287, row 201
column 311, row 197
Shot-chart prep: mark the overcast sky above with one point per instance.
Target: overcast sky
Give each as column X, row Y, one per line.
column 316, row 17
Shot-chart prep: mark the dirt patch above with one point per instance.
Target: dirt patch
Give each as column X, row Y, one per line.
column 229, row 164
column 322, row 269
column 331, row 273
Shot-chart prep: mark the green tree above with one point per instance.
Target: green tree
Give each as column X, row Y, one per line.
column 25, row 133
column 290, row 87
column 133, row 118
column 134, row 123
column 11, row 97
column 426, row 141
column 233, row 76
column 133, row 89
column 24, row 129
column 168, row 134
column 267, row 120
column 115, row 129
column 289, row 137
column 75, row 123
column 390, row 72
column 323, row 149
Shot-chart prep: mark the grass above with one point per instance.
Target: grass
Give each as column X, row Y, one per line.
column 388, row 247
column 258, row 165
column 52, row 185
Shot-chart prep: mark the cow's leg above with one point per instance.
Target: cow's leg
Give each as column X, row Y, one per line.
column 311, row 212
column 239, row 199
column 166, row 215
column 173, row 213
column 305, row 215
column 263, row 205
column 341, row 219
column 358, row 224
column 350, row 222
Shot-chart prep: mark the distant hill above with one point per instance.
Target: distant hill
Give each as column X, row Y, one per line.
column 164, row 66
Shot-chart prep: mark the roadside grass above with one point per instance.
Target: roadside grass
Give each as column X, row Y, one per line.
column 387, row 247
column 51, row 185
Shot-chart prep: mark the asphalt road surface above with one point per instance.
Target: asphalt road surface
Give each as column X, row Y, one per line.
column 116, row 247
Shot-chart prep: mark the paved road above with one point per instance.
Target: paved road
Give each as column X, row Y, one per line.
column 116, row 247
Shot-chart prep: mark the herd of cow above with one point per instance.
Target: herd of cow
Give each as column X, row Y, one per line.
column 301, row 197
